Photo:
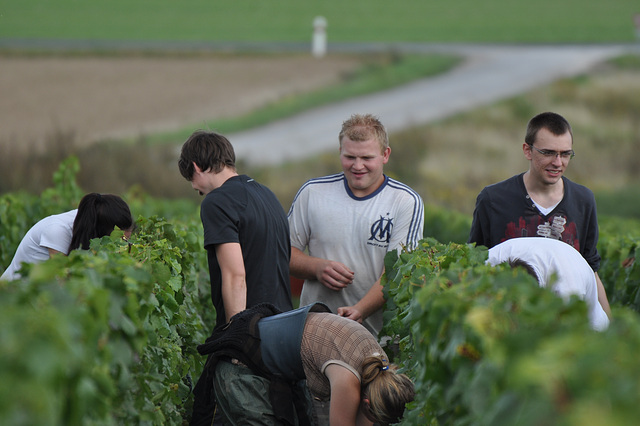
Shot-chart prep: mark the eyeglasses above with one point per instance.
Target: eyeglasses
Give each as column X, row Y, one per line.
column 565, row 155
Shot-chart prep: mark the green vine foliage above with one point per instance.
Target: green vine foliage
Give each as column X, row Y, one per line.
column 620, row 269
column 488, row 346
column 20, row 211
column 107, row 335
column 126, row 320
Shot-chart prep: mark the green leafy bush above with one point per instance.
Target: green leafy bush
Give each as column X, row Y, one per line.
column 446, row 225
column 488, row 346
column 20, row 211
column 107, row 335
column 620, row 269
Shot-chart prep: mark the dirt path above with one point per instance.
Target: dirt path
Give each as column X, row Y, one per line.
column 489, row 74
column 98, row 97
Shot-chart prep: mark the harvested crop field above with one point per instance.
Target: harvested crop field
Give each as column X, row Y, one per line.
column 93, row 98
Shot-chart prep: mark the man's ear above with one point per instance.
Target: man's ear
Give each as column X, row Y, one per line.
column 526, row 149
column 196, row 168
column 386, row 153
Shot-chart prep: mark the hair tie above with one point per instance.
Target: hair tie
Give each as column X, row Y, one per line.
column 385, row 368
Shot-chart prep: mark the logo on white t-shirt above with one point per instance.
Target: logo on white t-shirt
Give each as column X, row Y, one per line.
column 381, row 230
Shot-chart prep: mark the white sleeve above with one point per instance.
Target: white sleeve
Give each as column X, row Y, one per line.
column 597, row 317
column 408, row 228
column 56, row 236
column 298, row 220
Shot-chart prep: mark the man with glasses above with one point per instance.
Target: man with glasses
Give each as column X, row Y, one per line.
column 541, row 202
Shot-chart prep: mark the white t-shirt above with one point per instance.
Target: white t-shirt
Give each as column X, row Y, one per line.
column 52, row 232
column 334, row 224
column 548, row 256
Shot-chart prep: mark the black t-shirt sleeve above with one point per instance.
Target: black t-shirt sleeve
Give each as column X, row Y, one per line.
column 219, row 221
column 589, row 229
column 479, row 223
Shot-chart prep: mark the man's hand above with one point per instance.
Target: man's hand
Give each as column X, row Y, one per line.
column 350, row 312
column 334, row 275
column 370, row 303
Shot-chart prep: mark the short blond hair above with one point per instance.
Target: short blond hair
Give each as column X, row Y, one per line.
column 362, row 127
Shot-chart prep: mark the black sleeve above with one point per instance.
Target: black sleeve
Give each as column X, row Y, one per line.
column 479, row 226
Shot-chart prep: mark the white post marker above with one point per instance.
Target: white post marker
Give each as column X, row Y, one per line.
column 319, row 44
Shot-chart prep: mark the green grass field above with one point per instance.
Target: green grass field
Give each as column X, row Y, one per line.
column 349, row 21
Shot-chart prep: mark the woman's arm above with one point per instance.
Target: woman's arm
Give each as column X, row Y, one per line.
column 53, row 252
column 345, row 398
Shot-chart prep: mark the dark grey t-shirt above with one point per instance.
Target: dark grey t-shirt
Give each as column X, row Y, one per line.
column 246, row 212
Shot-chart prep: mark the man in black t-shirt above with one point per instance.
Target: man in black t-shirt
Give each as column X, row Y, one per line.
column 246, row 232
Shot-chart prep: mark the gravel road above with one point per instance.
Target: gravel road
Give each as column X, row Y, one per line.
column 488, row 74
column 100, row 97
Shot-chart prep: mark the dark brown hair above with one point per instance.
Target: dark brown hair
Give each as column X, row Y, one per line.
column 208, row 150
column 519, row 263
column 555, row 123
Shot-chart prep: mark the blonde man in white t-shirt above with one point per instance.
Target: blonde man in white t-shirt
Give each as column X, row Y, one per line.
column 343, row 225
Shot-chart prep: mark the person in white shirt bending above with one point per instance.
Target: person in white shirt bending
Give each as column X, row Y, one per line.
column 96, row 216
column 557, row 263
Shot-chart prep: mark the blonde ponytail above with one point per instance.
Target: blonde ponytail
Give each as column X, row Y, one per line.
column 387, row 391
